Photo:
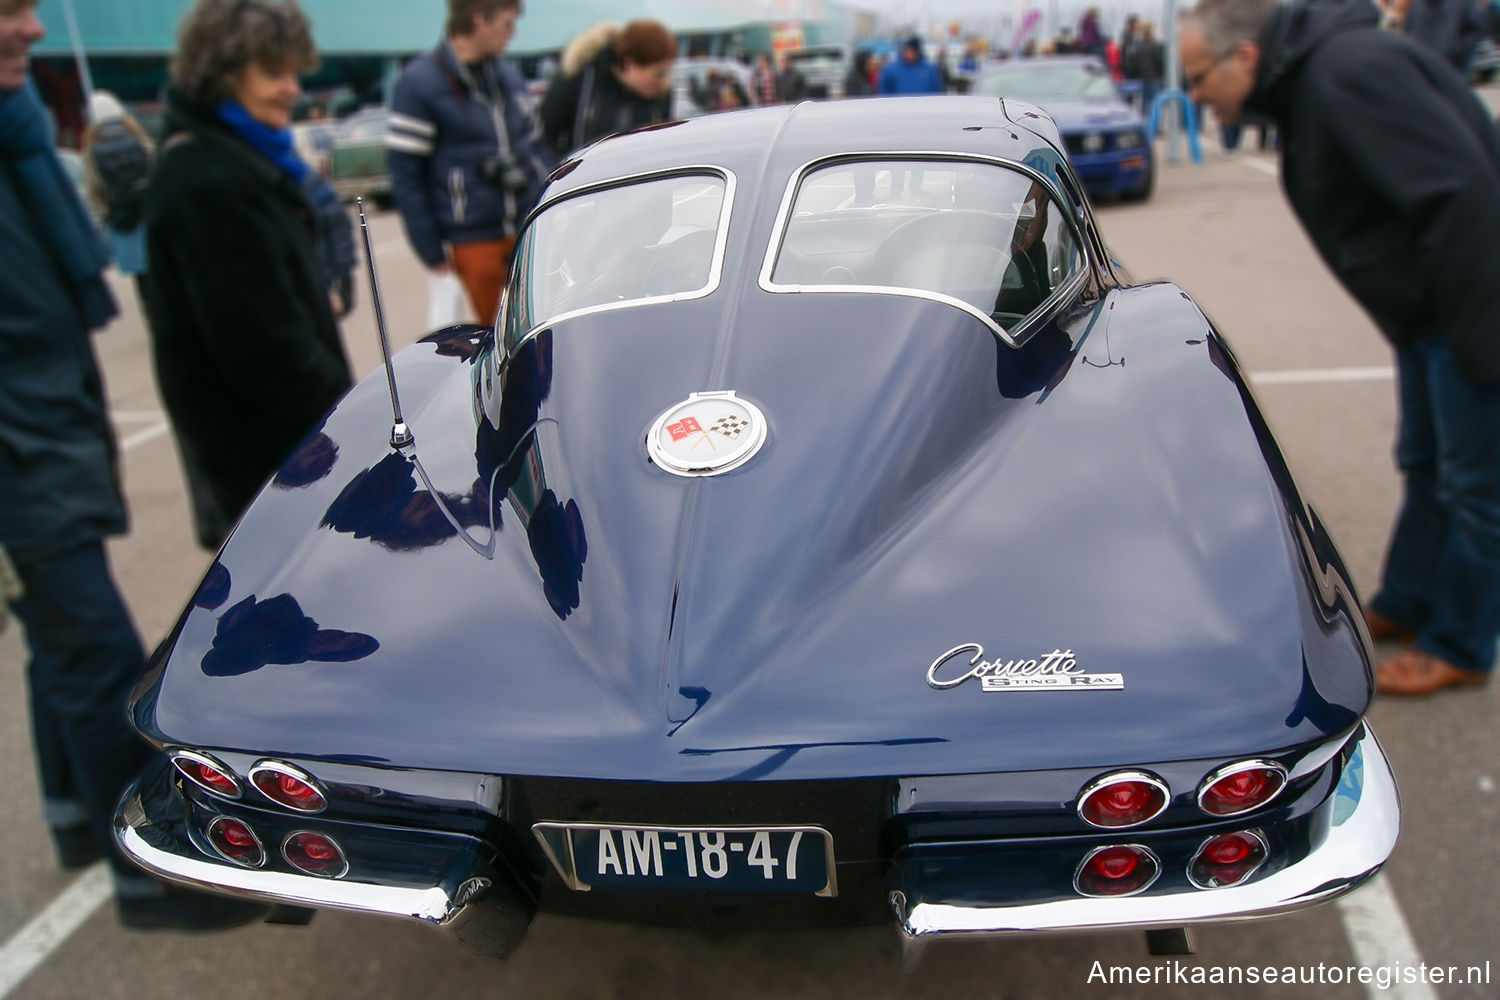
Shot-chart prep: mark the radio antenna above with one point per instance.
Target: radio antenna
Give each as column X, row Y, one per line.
column 401, row 436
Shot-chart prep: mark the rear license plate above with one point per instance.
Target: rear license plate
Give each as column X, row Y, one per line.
column 735, row 859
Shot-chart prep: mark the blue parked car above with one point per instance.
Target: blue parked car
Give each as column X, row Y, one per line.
column 1105, row 137
column 797, row 549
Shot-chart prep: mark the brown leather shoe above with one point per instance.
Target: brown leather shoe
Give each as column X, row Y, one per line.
column 1413, row 672
column 1382, row 628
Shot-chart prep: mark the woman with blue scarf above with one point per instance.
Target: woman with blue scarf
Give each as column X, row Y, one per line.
column 247, row 351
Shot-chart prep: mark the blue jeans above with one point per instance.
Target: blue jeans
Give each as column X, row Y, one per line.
column 85, row 658
column 1442, row 570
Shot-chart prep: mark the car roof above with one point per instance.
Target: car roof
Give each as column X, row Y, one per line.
column 772, row 143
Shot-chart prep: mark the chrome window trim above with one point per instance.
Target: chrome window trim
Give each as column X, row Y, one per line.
column 281, row 767
column 1117, row 776
column 561, row 853
column 202, row 758
column 715, row 267
column 1265, row 854
column 208, row 837
column 1049, row 305
column 343, row 855
column 1236, row 768
column 1078, row 872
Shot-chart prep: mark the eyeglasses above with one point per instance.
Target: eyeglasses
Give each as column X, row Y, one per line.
column 1192, row 81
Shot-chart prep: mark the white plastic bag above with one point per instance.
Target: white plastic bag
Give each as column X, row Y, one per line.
column 447, row 302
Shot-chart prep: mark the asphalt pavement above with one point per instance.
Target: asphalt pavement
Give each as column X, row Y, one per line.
column 1323, row 376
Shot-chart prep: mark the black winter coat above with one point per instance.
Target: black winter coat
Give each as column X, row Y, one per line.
column 592, row 104
column 248, row 356
column 1393, row 168
column 58, row 483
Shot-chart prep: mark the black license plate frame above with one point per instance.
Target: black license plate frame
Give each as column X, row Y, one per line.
column 779, row 858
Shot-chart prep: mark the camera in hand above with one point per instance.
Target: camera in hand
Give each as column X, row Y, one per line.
column 503, row 171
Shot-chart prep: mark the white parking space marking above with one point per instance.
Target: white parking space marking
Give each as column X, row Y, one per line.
column 134, row 416
column 141, row 437
column 1378, row 934
column 1317, row 376
column 1264, row 166
column 31, row 945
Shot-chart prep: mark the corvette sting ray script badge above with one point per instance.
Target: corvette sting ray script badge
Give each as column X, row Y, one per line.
column 1054, row 671
column 706, row 434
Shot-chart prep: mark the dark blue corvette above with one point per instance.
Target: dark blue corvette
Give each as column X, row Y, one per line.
column 1105, row 138
column 799, row 549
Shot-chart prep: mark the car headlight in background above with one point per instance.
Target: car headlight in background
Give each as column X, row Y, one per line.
column 1129, row 140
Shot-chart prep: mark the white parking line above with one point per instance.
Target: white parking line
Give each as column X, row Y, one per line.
column 1315, row 376
column 1264, row 166
column 1380, row 938
column 30, row 946
column 141, row 437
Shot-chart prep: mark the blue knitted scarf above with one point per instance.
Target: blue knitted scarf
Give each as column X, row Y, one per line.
column 59, row 216
column 273, row 143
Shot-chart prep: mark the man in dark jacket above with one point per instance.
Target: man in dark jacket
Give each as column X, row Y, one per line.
column 60, row 498
column 465, row 164
column 1394, row 169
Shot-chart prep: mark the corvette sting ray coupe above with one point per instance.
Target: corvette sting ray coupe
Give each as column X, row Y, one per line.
column 827, row 532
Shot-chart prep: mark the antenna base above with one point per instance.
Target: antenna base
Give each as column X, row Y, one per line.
column 401, row 436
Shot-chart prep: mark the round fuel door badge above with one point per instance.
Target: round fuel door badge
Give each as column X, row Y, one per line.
column 706, row 434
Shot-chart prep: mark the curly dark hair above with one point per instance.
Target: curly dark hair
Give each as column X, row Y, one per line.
column 217, row 39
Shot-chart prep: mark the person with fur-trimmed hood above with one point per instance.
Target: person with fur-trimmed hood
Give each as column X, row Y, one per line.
column 612, row 80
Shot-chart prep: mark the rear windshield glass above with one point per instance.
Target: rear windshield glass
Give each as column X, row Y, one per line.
column 984, row 235
column 615, row 246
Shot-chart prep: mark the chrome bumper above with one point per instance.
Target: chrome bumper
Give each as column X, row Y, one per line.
column 467, row 899
column 1364, row 816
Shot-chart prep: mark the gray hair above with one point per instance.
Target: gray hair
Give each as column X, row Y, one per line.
column 1227, row 23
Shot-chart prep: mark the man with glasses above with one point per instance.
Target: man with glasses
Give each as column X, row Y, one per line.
column 1394, row 170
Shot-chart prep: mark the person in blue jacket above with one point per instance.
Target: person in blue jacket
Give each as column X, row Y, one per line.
column 911, row 73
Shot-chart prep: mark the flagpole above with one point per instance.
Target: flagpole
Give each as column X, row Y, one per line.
column 78, row 55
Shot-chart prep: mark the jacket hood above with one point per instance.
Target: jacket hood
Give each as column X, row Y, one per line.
column 1295, row 31
column 586, row 45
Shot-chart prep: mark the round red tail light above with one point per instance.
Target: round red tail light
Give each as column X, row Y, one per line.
column 235, row 841
column 287, row 786
column 1239, row 788
column 315, row 854
column 1227, row 859
column 1125, row 798
column 207, row 773
column 1117, row 870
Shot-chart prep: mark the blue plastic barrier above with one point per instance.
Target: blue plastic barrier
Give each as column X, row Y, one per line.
column 1189, row 117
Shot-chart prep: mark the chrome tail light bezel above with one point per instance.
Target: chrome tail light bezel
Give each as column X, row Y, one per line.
column 260, row 848
column 1144, row 852
column 286, row 854
column 1239, row 767
column 1117, row 777
column 198, row 757
column 278, row 769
